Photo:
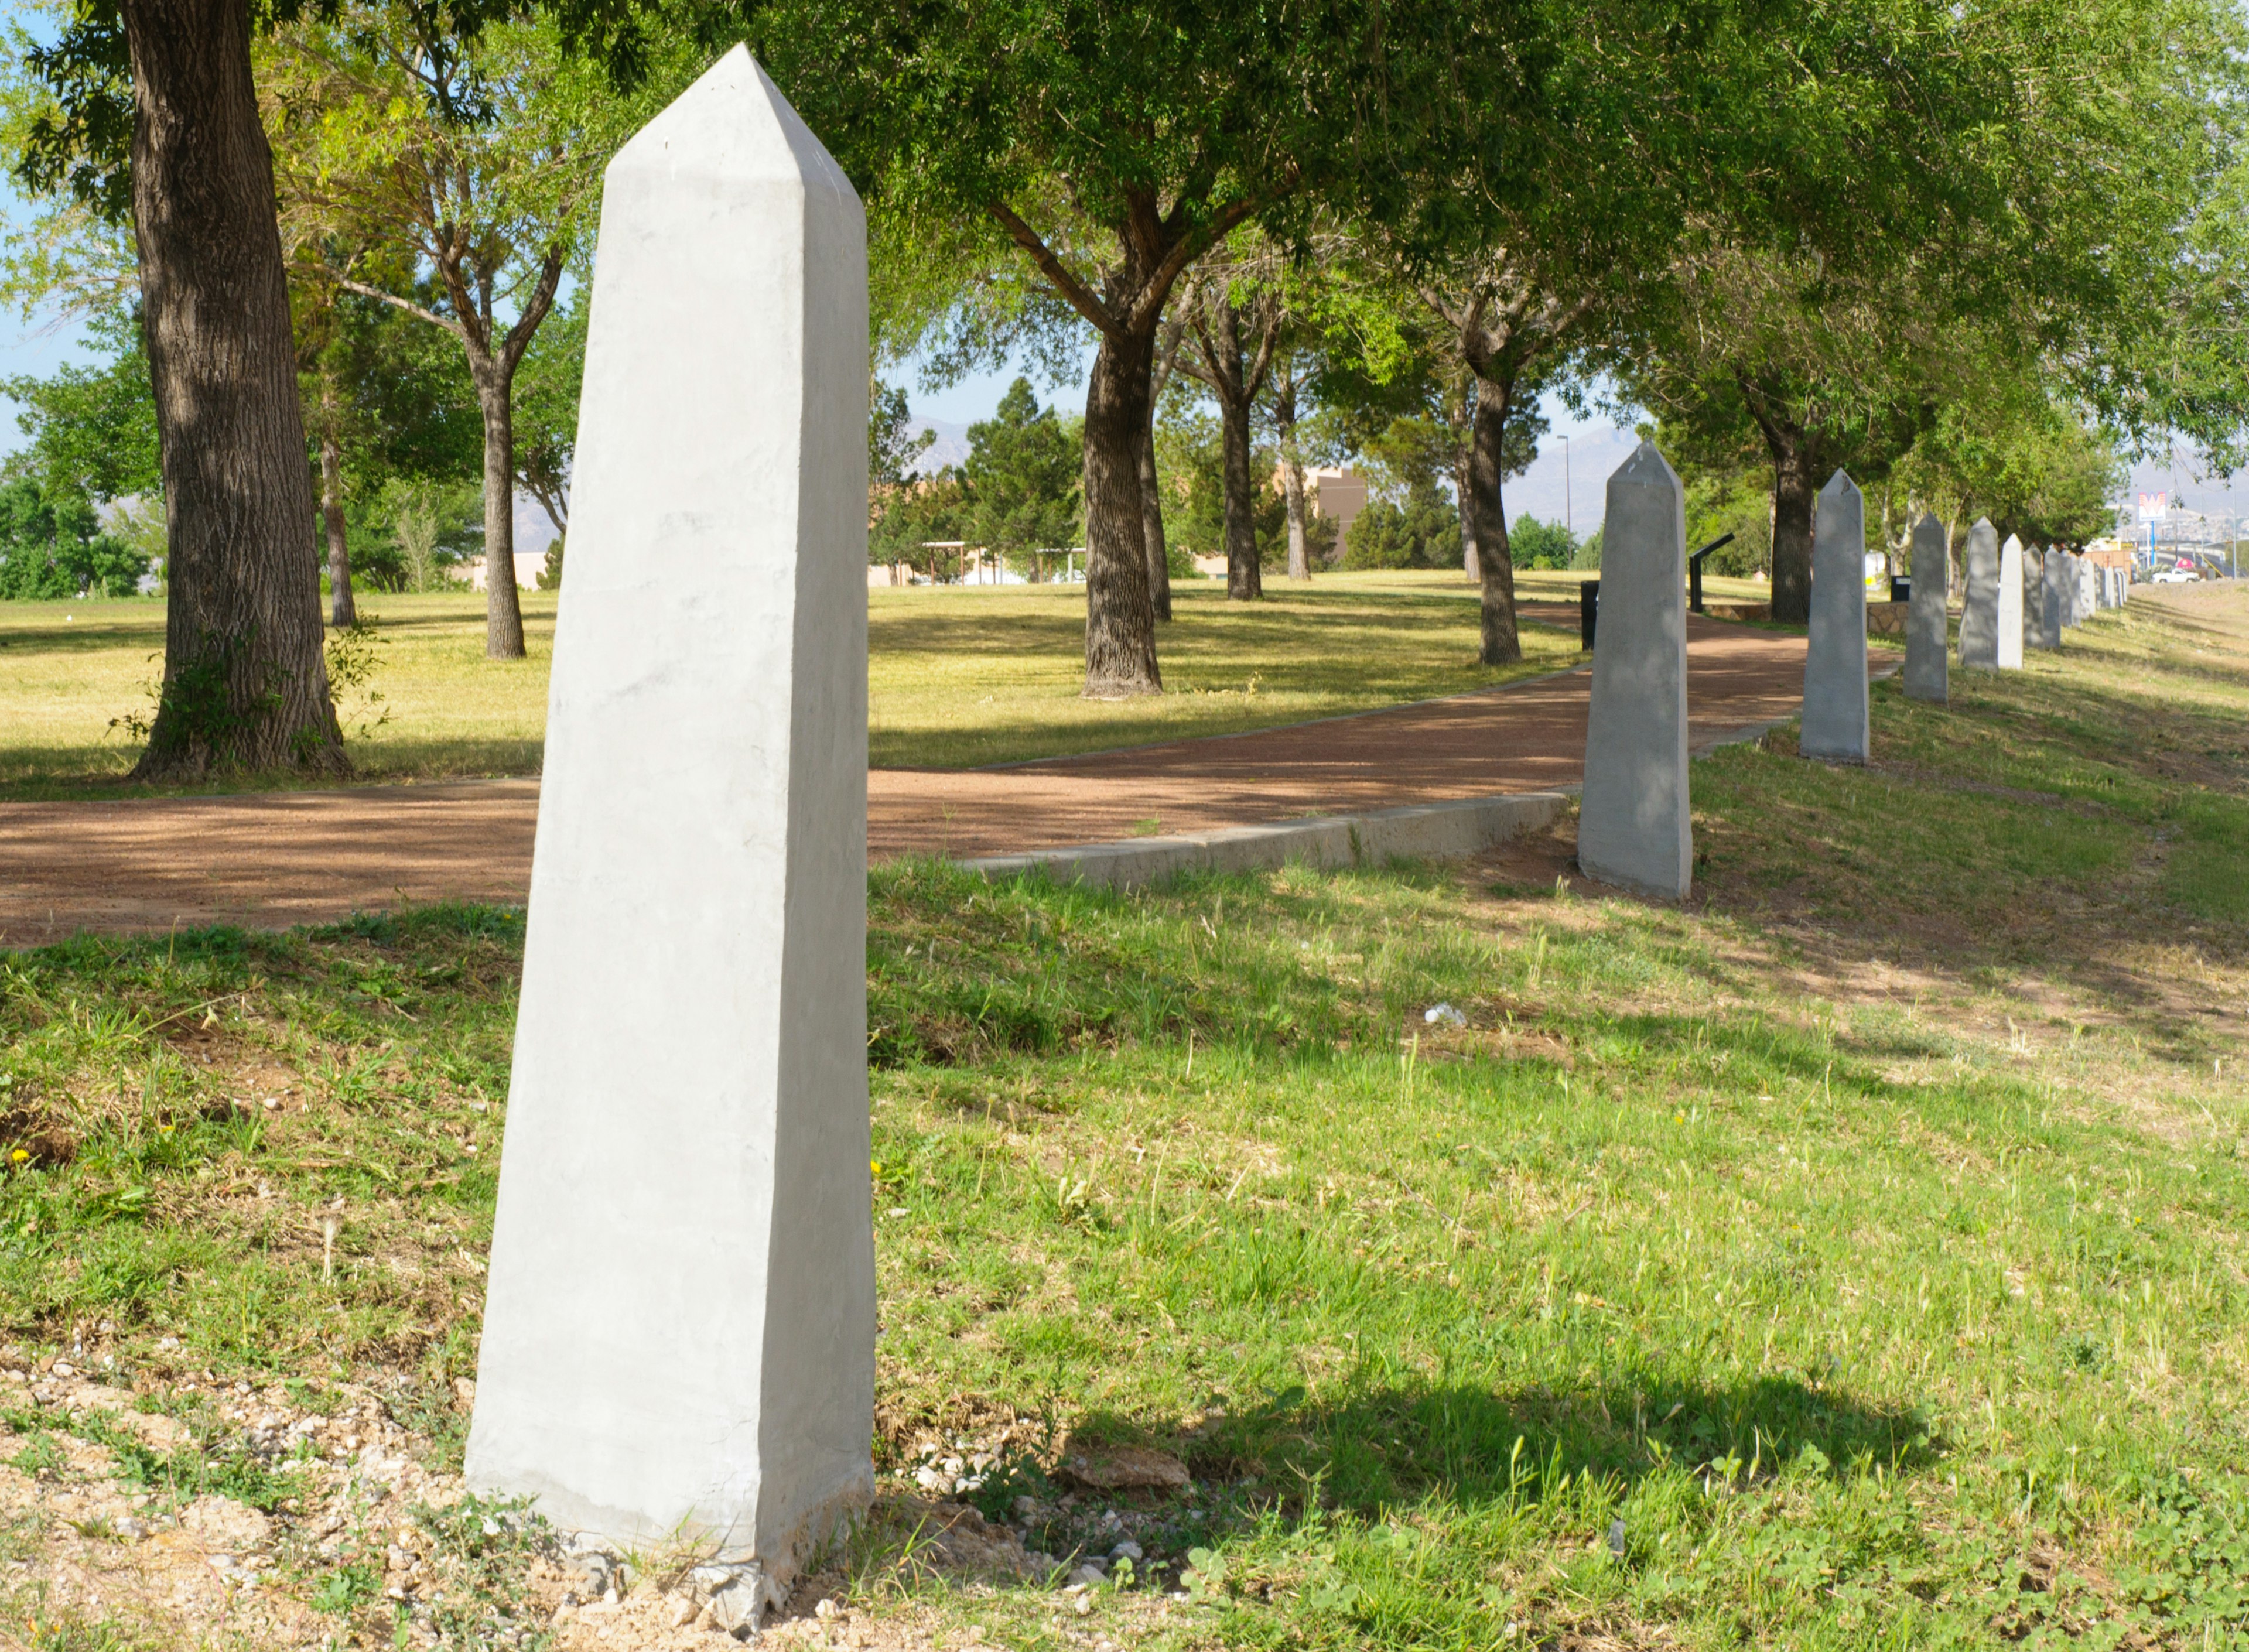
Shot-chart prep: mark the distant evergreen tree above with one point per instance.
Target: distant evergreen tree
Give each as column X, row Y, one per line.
column 1022, row 477
column 1421, row 531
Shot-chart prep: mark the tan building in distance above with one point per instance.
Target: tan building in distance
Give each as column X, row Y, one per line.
column 1339, row 493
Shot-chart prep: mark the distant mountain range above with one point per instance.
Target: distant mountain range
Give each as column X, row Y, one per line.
column 1577, row 469
column 950, row 448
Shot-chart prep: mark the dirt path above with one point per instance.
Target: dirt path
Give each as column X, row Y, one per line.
column 276, row 858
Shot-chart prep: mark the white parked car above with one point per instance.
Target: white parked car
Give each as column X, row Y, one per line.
column 2170, row 576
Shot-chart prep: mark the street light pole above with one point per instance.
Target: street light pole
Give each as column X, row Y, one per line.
column 1569, row 516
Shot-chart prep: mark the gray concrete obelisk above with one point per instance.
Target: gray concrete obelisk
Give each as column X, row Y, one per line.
column 1925, row 648
column 2009, row 626
column 2033, row 597
column 1633, row 824
column 1835, row 726
column 680, row 1330
column 2052, row 599
column 1979, row 615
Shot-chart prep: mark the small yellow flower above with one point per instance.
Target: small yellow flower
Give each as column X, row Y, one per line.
column 19, row 1155
column 875, row 1165
column 1679, row 1118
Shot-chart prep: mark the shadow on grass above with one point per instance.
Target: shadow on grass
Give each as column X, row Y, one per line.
column 1375, row 1449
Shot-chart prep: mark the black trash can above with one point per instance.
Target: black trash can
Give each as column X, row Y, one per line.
column 1589, row 604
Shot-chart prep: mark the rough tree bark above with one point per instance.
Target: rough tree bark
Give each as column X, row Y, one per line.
column 1151, row 525
column 1245, row 574
column 495, row 380
column 1794, row 494
column 1292, row 469
column 1152, row 493
column 1503, row 328
column 245, row 682
column 1153, row 248
column 1796, row 449
column 341, row 611
column 1486, row 477
column 1236, row 382
column 1120, row 612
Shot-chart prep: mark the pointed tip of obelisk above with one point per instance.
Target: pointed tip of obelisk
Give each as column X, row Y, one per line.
column 1646, row 465
column 1838, row 485
column 733, row 122
column 1985, row 522
column 2014, row 542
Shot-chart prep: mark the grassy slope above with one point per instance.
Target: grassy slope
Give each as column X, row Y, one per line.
column 1868, row 1236
column 956, row 677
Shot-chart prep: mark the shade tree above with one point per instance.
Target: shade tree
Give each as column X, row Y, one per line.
column 1115, row 146
column 148, row 109
column 454, row 181
column 53, row 545
column 1234, row 321
column 90, row 430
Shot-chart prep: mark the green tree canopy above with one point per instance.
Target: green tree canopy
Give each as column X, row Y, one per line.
column 52, row 546
column 1112, row 146
column 1020, row 479
column 90, row 432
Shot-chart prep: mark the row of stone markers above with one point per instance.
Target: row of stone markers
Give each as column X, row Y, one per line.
column 679, row 1329
column 1634, row 825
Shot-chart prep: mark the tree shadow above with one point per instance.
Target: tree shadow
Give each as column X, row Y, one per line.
column 1368, row 1450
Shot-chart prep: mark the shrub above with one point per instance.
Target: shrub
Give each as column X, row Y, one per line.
column 1533, row 543
column 1422, row 530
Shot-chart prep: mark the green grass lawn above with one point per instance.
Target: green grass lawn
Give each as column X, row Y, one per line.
column 956, row 676
column 1855, row 1255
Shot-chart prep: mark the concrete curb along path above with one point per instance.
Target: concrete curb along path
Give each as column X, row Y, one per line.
column 1420, row 832
column 270, row 859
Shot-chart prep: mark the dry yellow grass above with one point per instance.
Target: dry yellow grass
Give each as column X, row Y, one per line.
column 67, row 669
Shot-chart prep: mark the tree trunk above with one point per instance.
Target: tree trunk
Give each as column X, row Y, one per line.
column 1151, row 519
column 1486, row 469
column 1152, row 491
column 1794, row 489
column 1245, row 580
column 1120, row 614
column 245, row 682
column 1292, row 474
column 1464, row 495
column 342, row 612
column 503, row 609
column 1463, row 464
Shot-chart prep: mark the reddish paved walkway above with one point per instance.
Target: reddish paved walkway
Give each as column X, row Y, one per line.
column 270, row 859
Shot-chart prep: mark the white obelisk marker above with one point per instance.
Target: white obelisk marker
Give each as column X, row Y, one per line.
column 679, row 1332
